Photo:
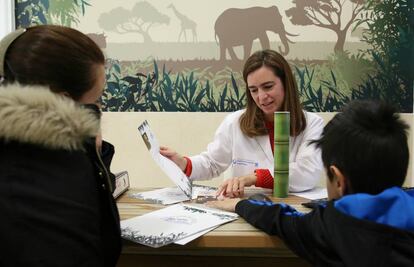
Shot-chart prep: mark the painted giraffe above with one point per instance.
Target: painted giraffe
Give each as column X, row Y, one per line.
column 186, row 24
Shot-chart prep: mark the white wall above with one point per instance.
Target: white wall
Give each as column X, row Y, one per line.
column 186, row 132
column 7, row 22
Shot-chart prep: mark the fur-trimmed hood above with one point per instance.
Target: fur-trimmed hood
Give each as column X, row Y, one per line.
column 35, row 115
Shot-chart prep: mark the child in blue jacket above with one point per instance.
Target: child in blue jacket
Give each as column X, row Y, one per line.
column 369, row 220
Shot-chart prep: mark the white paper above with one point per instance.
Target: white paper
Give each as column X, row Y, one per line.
column 316, row 193
column 172, row 195
column 194, row 236
column 164, row 196
column 202, row 190
column 173, row 223
column 168, row 166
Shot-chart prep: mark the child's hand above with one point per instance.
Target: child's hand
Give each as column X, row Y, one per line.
column 228, row 204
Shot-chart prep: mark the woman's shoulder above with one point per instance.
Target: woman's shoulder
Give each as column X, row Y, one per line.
column 314, row 122
column 312, row 117
column 231, row 120
column 234, row 117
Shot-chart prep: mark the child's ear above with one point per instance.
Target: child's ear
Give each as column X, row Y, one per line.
column 340, row 182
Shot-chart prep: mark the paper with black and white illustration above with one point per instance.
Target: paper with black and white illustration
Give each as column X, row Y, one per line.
column 173, row 223
column 167, row 165
column 172, row 195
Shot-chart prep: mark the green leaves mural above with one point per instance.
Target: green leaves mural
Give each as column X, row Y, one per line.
column 163, row 91
column 391, row 34
column 62, row 12
column 31, row 12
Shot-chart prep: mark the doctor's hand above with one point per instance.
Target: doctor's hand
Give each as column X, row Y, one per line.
column 174, row 156
column 234, row 187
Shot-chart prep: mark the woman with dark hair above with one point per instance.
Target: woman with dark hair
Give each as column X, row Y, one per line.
column 55, row 184
column 244, row 140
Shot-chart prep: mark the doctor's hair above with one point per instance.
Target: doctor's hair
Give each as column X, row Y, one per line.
column 252, row 121
column 367, row 142
column 61, row 58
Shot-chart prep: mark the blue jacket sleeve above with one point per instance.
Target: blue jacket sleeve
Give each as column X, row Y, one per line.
column 299, row 231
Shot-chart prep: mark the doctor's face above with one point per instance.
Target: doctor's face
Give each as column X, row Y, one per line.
column 267, row 91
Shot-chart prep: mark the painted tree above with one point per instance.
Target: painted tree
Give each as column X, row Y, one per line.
column 140, row 19
column 328, row 14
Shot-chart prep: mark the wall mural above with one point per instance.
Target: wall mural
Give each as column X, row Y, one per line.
column 183, row 55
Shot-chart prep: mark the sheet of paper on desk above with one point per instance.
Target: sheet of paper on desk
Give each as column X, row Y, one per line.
column 173, row 223
column 164, row 196
column 172, row 195
column 316, row 193
column 202, row 190
column 197, row 235
column 168, row 166
column 187, row 240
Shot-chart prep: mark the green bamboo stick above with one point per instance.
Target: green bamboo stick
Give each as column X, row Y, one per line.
column 281, row 152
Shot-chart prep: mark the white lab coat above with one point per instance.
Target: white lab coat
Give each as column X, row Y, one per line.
column 244, row 154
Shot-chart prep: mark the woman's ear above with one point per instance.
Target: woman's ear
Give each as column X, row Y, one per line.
column 339, row 181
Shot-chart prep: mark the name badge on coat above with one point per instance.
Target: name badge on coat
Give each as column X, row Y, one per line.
column 244, row 166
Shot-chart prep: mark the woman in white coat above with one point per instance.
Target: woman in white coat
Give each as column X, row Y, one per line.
column 244, row 140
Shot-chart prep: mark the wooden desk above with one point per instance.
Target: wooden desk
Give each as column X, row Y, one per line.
column 234, row 244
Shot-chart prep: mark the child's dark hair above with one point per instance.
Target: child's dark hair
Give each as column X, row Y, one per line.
column 367, row 142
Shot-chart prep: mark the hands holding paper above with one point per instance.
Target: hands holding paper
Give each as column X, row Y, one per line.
column 173, row 156
column 230, row 188
column 169, row 162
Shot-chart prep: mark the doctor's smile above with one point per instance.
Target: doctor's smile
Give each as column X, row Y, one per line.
column 266, row 90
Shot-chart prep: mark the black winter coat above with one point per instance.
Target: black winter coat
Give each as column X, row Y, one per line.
column 56, row 204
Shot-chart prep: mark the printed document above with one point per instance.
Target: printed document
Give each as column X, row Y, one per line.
column 173, row 223
column 167, row 165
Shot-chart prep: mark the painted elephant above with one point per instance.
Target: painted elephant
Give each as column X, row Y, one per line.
column 236, row 27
